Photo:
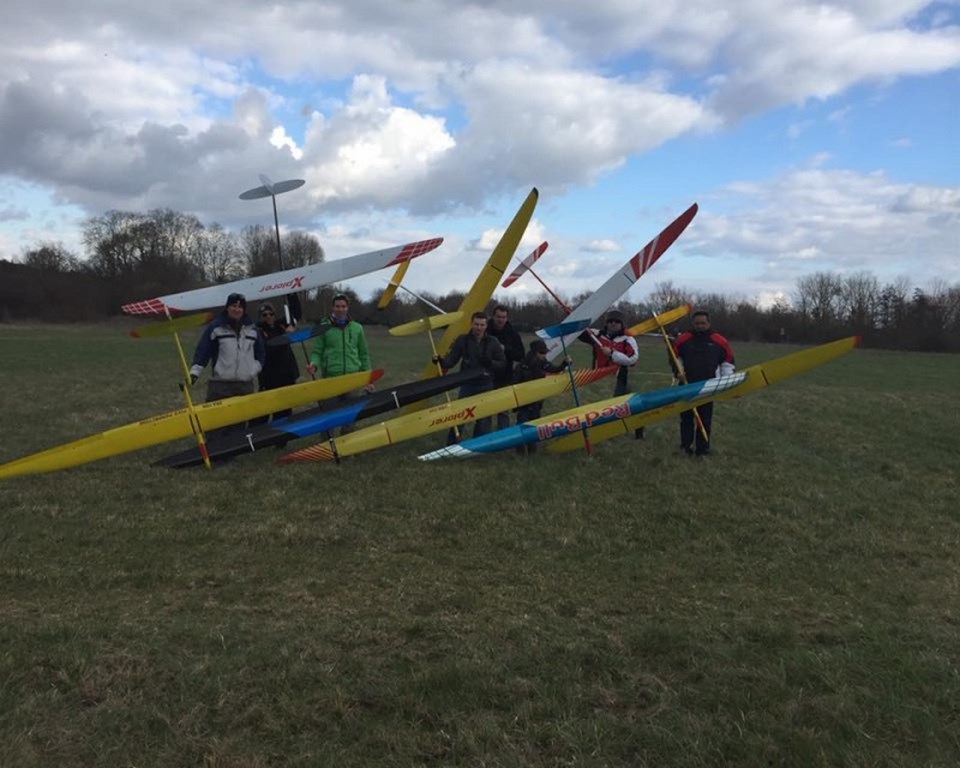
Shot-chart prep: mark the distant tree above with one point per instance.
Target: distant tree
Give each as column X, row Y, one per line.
column 112, row 243
column 51, row 257
column 258, row 245
column 924, row 323
column 665, row 295
column 818, row 302
column 859, row 302
column 300, row 249
column 218, row 255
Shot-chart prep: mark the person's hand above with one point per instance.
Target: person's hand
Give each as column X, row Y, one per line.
column 193, row 379
column 436, row 359
column 311, row 369
column 370, row 388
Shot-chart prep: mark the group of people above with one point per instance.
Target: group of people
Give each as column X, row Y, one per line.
column 237, row 350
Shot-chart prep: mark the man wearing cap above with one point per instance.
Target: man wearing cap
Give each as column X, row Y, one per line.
column 234, row 346
column 534, row 366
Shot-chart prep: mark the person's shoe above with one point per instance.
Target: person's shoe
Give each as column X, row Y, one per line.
column 686, row 450
column 638, row 434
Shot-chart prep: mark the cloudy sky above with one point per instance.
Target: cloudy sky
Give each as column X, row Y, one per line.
column 814, row 136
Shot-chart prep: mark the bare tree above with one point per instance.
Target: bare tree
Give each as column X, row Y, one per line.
column 666, row 295
column 218, row 255
column 51, row 257
column 300, row 249
column 818, row 297
column 859, row 301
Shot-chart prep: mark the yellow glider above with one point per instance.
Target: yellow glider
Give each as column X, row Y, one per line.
column 759, row 377
column 176, row 424
column 441, row 417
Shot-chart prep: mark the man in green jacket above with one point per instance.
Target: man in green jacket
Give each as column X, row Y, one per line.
column 342, row 349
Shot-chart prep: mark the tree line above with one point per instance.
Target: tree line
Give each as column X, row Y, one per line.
column 130, row 256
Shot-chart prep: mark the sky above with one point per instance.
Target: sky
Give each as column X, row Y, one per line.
column 813, row 136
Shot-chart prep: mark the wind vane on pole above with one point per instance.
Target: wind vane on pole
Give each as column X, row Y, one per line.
column 271, row 190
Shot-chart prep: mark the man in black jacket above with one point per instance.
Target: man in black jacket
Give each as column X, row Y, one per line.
column 704, row 354
column 512, row 344
column 476, row 349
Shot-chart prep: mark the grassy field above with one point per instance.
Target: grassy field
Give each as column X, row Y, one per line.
column 793, row 600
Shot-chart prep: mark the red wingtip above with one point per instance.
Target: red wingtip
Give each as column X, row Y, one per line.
column 376, row 375
column 857, row 341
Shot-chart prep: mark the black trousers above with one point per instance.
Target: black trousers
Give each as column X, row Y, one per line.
column 690, row 432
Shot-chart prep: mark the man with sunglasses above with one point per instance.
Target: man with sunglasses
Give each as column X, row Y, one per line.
column 280, row 369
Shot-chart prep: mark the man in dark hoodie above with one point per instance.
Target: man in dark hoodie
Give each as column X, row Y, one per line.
column 704, row 354
column 231, row 341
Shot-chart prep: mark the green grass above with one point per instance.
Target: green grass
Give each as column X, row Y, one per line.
column 792, row 601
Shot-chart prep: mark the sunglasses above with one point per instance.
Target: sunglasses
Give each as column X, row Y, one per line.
column 268, row 313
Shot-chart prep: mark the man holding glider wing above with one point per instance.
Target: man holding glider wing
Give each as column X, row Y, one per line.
column 476, row 349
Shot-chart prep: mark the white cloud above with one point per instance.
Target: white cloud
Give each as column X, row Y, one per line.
column 279, row 139
column 602, row 246
column 816, row 219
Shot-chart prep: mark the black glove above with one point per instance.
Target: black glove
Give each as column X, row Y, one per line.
column 193, row 379
column 436, row 359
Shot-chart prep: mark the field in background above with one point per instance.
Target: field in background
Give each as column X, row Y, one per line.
column 791, row 601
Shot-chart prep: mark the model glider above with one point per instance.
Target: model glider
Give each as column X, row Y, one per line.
column 174, row 325
column 176, row 424
column 284, row 282
column 622, row 280
column 301, row 334
column 387, row 296
column 483, row 287
column 758, row 377
column 578, row 420
column 525, row 265
column 320, row 419
column 445, row 416
column 425, row 324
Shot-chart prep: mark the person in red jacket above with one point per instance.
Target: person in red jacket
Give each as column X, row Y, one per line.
column 704, row 354
column 612, row 346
